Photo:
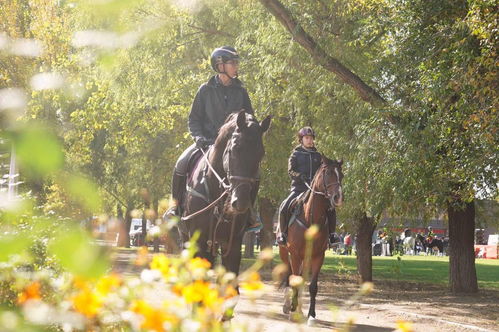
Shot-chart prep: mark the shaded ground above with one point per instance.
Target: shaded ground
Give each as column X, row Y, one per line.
column 429, row 307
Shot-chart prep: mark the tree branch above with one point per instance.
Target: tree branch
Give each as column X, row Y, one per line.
column 211, row 31
column 284, row 16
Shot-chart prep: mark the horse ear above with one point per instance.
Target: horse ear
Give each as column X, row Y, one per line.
column 265, row 124
column 323, row 159
column 340, row 162
column 241, row 120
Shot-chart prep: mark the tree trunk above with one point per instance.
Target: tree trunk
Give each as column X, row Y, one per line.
column 143, row 235
column 124, row 227
column 365, row 228
column 267, row 212
column 462, row 272
column 249, row 245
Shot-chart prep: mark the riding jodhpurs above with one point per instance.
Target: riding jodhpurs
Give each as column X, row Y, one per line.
column 283, row 212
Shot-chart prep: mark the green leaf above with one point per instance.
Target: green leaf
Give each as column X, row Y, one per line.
column 39, row 151
column 12, row 244
column 84, row 192
column 78, row 255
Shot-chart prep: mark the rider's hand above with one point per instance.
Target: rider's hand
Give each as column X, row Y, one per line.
column 304, row 178
column 202, row 142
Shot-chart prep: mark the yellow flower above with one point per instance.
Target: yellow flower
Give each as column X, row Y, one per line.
column 107, row 283
column 154, row 318
column 202, row 292
column 163, row 264
column 87, row 302
column 404, row 326
column 30, row 292
column 212, row 300
column 230, row 292
column 196, row 291
column 81, row 283
column 252, row 283
column 198, row 263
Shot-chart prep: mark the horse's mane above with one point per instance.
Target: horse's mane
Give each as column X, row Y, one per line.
column 227, row 129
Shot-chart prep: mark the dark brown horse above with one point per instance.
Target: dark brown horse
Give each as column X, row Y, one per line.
column 222, row 188
column 324, row 193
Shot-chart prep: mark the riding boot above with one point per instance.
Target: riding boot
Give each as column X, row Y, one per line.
column 178, row 192
column 282, row 235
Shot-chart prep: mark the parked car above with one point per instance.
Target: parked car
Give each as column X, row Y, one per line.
column 136, row 231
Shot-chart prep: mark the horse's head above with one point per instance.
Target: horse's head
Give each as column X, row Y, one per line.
column 328, row 179
column 241, row 159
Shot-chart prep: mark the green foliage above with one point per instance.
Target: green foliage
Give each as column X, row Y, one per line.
column 74, row 252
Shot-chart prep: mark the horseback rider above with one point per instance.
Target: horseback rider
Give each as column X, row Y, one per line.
column 215, row 100
column 303, row 163
column 430, row 235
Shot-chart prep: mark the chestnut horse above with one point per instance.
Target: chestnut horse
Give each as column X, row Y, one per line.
column 324, row 193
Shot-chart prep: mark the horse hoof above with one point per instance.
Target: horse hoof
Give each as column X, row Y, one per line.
column 311, row 321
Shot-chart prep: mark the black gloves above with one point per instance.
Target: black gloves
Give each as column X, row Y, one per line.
column 203, row 143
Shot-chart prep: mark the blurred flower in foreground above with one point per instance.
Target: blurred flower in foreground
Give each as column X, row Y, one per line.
column 30, row 292
column 366, row 288
column 12, row 99
column 252, row 285
column 87, row 302
column 295, row 281
column 404, row 326
column 142, row 256
column 156, row 319
column 108, row 283
column 46, row 81
column 198, row 267
column 26, row 47
column 164, row 265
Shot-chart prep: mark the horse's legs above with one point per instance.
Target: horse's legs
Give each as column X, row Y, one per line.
column 315, row 269
column 232, row 261
column 284, row 255
column 204, row 251
column 296, row 269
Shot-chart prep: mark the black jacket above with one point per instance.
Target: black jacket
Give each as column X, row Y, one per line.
column 213, row 103
column 302, row 165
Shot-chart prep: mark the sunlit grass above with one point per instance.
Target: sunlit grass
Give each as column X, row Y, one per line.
column 420, row 269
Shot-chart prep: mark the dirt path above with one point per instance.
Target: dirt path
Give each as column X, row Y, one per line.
column 428, row 307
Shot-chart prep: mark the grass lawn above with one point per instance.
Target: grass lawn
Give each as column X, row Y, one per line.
column 423, row 269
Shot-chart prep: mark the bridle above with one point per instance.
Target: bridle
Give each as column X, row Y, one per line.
column 326, row 193
column 239, row 179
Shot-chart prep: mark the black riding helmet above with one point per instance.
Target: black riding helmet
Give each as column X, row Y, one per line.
column 223, row 55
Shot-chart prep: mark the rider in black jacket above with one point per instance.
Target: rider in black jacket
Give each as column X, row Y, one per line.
column 215, row 100
column 302, row 166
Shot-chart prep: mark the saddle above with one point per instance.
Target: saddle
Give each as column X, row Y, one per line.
column 192, row 164
column 295, row 207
